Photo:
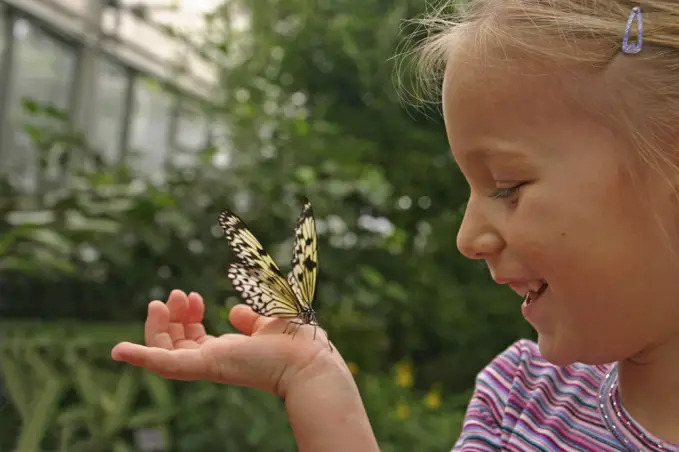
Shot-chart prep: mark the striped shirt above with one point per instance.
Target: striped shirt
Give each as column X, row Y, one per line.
column 523, row 403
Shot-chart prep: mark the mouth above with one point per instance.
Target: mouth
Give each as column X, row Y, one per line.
column 533, row 295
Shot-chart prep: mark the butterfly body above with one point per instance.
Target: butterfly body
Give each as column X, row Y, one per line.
column 308, row 316
column 260, row 282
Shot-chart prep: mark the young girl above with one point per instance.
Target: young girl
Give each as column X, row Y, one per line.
column 563, row 116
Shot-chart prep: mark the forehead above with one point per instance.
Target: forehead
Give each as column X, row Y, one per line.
column 491, row 100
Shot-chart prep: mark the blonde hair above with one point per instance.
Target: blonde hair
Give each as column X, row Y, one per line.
column 571, row 33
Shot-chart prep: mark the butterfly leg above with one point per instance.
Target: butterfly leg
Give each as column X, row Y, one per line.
column 328, row 340
column 293, row 331
column 315, row 325
column 299, row 325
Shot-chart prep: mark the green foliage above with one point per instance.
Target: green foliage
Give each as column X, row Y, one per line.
column 67, row 393
column 407, row 418
column 310, row 109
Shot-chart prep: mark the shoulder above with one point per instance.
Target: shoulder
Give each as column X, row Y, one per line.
column 513, row 371
column 519, row 386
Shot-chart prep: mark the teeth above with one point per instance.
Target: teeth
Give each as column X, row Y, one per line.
column 535, row 286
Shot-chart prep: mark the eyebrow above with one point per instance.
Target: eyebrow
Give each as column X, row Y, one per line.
column 487, row 153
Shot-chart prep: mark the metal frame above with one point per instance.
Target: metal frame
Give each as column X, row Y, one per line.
column 5, row 74
column 89, row 47
column 62, row 39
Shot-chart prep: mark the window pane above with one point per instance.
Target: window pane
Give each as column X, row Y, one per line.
column 191, row 128
column 150, row 126
column 222, row 143
column 109, row 108
column 43, row 66
column 43, row 69
column 191, row 135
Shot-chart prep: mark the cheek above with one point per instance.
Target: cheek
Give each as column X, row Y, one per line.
column 543, row 221
column 555, row 230
column 595, row 243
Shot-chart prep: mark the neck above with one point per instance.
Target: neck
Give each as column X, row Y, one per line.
column 649, row 384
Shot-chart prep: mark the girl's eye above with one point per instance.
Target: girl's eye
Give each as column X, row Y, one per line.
column 506, row 192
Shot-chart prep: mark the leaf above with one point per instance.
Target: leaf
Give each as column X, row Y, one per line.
column 9, row 238
column 54, row 112
column 41, row 263
column 372, row 276
column 76, row 221
column 52, row 239
column 29, row 105
column 35, row 133
column 302, row 128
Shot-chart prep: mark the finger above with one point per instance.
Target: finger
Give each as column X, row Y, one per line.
column 180, row 364
column 195, row 309
column 177, row 304
column 248, row 322
column 243, row 318
column 193, row 328
column 157, row 324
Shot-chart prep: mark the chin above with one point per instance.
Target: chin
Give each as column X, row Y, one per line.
column 559, row 353
column 566, row 351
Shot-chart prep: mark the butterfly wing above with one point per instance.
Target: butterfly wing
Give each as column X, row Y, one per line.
column 244, row 244
column 256, row 267
column 259, row 292
column 302, row 277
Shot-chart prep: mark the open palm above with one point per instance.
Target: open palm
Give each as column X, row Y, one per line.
column 178, row 347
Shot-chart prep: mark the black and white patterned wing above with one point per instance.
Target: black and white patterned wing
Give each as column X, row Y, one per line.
column 302, row 276
column 251, row 253
column 259, row 291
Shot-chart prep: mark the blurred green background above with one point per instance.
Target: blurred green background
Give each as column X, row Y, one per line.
column 127, row 126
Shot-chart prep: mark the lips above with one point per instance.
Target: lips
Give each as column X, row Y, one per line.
column 523, row 286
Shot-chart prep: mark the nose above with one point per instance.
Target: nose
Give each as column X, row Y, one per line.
column 477, row 238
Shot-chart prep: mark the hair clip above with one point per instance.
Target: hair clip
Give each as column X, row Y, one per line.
column 636, row 47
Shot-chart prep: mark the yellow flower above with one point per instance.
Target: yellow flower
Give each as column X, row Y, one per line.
column 402, row 411
column 404, row 374
column 433, row 397
column 353, row 368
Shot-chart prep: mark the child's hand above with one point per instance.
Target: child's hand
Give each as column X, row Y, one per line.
column 178, row 347
column 323, row 403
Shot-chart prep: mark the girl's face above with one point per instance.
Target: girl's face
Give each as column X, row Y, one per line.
column 550, row 201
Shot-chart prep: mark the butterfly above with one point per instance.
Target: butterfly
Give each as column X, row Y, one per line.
column 261, row 283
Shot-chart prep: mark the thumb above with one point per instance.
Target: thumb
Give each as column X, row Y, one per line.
column 248, row 322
